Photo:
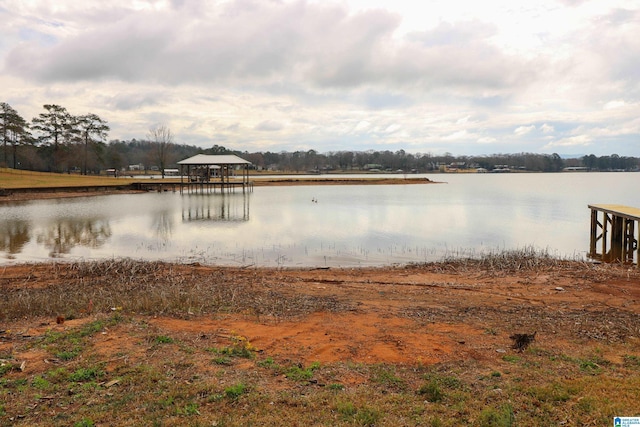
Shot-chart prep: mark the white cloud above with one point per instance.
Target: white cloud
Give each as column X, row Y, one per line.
column 546, row 128
column 339, row 74
column 614, row 104
column 461, row 134
column 523, row 130
column 572, row 141
column 487, row 140
column 269, row 126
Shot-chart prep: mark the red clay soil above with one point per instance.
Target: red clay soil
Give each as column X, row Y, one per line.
column 414, row 315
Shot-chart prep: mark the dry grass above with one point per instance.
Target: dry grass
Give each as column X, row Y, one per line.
column 16, row 178
column 150, row 288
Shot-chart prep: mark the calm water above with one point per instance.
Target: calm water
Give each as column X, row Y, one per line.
column 348, row 226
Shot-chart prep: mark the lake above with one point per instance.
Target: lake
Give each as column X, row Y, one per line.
column 313, row 226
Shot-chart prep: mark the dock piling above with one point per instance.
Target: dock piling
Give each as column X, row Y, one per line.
column 613, row 229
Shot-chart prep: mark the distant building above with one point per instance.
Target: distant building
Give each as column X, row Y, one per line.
column 576, row 169
column 374, row 167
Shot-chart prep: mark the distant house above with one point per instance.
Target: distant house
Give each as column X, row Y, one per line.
column 373, row 167
column 576, row 169
column 457, row 165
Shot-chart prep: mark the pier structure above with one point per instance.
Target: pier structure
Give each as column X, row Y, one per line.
column 613, row 233
column 203, row 173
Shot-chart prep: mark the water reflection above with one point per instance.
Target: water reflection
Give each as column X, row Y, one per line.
column 63, row 235
column 163, row 224
column 215, row 207
column 14, row 235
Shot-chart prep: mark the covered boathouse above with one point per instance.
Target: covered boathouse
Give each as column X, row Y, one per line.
column 204, row 173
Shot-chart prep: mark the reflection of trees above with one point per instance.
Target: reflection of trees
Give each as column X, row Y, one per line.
column 63, row 235
column 163, row 224
column 13, row 236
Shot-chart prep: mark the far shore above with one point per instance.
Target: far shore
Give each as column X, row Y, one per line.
column 41, row 193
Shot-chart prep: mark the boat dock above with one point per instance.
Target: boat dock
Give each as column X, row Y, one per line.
column 202, row 174
column 613, row 233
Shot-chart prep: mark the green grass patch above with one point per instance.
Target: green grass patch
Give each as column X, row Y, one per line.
column 386, row 376
column 85, row 374
column 190, row 408
column 222, row 360
column 163, row 339
column 235, row 391
column 240, row 347
column 5, row 367
column 298, row 373
column 40, row 383
column 67, row 355
column 365, row 416
column 511, row 358
column 431, row 391
column 268, row 363
column 502, row 416
column 555, row 392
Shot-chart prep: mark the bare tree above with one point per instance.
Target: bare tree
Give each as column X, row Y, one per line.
column 161, row 137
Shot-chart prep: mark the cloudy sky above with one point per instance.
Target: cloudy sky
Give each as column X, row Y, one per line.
column 431, row 76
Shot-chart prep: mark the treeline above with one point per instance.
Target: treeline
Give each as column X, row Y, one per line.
column 55, row 140
column 121, row 154
column 58, row 141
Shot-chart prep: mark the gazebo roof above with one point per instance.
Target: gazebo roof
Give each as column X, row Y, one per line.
column 208, row 159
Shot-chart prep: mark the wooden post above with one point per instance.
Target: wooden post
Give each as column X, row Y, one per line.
column 617, row 241
column 593, row 240
column 605, row 221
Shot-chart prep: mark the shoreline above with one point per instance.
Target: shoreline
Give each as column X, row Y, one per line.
column 43, row 193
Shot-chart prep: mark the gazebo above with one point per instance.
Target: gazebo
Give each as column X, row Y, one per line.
column 204, row 173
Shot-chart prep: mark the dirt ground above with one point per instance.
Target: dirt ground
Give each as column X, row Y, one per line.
column 406, row 315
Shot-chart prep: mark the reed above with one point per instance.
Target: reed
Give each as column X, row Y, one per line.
column 150, row 288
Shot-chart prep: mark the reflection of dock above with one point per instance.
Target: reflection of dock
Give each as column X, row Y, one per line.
column 613, row 230
column 216, row 208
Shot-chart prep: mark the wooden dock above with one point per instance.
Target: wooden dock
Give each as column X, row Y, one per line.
column 209, row 187
column 613, row 233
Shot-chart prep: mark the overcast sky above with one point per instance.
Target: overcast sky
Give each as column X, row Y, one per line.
column 430, row 76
